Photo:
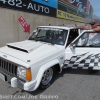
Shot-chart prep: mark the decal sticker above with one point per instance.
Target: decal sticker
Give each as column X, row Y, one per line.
column 86, row 63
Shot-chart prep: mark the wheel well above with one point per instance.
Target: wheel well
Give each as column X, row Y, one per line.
column 57, row 67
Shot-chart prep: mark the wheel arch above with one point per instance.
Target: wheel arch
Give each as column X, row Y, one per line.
column 41, row 71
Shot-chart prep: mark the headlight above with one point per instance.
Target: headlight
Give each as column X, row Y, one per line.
column 21, row 72
column 24, row 73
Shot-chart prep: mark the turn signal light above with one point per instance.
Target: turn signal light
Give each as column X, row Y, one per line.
column 28, row 75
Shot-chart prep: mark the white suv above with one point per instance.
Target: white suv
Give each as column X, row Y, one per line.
column 31, row 63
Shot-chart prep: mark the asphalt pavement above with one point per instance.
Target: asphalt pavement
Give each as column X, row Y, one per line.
column 68, row 85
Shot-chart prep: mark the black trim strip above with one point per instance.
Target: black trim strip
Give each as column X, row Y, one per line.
column 17, row 48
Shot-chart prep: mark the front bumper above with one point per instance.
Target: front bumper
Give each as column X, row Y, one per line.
column 27, row 86
column 15, row 82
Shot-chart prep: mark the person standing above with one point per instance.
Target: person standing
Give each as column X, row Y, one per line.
column 93, row 26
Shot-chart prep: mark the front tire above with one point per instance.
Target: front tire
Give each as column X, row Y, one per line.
column 47, row 78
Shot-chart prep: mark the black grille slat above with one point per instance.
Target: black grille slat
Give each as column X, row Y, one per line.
column 13, row 69
column 4, row 64
column 8, row 67
column 0, row 62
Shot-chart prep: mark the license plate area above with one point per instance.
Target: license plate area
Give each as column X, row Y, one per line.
column 2, row 77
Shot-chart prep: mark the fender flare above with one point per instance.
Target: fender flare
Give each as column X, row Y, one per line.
column 43, row 69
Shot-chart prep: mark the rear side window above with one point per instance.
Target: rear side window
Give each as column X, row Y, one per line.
column 89, row 39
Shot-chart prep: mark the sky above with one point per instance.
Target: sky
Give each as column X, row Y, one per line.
column 96, row 6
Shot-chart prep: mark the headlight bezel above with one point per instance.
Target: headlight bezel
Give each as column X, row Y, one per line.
column 20, row 70
column 22, row 73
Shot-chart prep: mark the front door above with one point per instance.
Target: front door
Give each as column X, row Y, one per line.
column 84, row 52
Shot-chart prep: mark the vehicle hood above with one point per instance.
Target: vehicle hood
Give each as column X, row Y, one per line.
column 25, row 46
column 28, row 50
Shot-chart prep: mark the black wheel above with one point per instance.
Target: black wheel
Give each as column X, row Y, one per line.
column 93, row 71
column 47, row 78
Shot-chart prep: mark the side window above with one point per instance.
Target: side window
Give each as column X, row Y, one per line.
column 89, row 39
column 60, row 37
column 72, row 35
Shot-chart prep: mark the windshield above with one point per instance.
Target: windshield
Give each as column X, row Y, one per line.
column 50, row 35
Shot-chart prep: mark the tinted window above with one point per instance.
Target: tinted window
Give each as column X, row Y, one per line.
column 72, row 35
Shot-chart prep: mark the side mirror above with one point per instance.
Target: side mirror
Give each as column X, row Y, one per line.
column 72, row 46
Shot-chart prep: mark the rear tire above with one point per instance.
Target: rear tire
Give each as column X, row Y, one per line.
column 47, row 78
column 93, row 71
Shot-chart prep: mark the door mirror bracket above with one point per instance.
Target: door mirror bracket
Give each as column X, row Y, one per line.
column 72, row 46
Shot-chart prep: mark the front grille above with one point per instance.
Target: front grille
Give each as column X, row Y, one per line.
column 8, row 67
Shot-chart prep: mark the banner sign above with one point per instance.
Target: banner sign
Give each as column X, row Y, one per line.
column 65, row 15
column 75, row 10
column 29, row 6
column 76, row 7
column 50, row 3
column 78, row 4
